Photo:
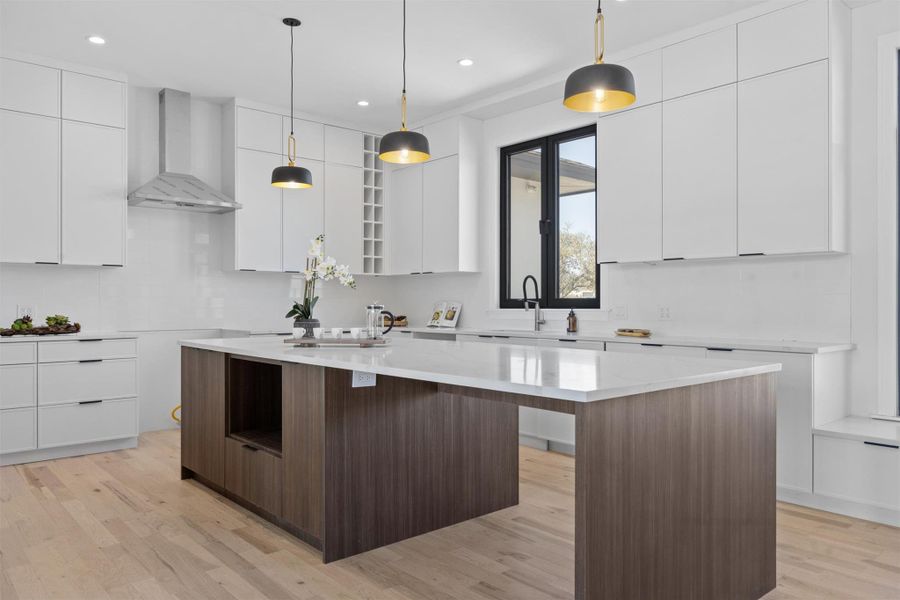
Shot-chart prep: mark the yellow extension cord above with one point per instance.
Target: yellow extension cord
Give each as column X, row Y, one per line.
column 172, row 414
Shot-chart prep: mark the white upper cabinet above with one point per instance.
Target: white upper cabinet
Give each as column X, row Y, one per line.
column 440, row 216
column 443, row 137
column 783, row 38
column 700, row 63
column 93, row 99
column 258, row 223
column 783, row 162
column 344, row 213
column 259, row 130
column 93, row 194
column 700, row 175
column 303, row 217
column 28, row 87
column 29, row 188
column 310, row 138
column 647, row 71
column 629, row 186
column 405, row 220
column 343, row 146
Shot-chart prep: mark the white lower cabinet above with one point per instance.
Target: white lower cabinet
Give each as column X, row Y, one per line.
column 60, row 383
column 56, row 393
column 85, row 422
column 656, row 349
column 858, row 471
column 17, row 430
column 794, row 413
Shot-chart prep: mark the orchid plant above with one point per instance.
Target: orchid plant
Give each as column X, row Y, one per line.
column 318, row 266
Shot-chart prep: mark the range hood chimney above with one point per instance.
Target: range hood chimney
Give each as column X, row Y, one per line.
column 175, row 187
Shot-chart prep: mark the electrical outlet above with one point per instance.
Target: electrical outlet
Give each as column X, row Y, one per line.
column 664, row 314
column 620, row 312
column 24, row 310
column 363, row 379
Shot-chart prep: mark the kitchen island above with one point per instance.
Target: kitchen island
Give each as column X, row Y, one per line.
column 675, row 457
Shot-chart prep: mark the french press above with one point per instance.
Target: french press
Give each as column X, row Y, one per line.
column 375, row 317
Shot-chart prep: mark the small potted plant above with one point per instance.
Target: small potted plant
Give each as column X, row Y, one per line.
column 317, row 267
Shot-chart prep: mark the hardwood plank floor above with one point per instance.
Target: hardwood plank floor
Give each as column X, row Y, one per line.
column 123, row 525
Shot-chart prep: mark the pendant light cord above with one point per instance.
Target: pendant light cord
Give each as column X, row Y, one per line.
column 292, row 81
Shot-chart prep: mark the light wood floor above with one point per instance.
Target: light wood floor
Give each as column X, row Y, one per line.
column 122, row 525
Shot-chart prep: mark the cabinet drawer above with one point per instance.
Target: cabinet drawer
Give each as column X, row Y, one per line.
column 60, row 383
column 93, row 99
column 18, row 386
column 17, row 430
column 18, row 353
column 254, row 475
column 83, row 423
column 87, row 350
column 854, row 470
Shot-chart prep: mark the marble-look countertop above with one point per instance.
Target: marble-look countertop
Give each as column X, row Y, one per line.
column 795, row 346
column 562, row 373
column 61, row 337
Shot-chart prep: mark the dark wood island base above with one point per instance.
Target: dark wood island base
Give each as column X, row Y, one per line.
column 675, row 489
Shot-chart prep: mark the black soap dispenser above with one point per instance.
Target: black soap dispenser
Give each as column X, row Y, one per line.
column 572, row 322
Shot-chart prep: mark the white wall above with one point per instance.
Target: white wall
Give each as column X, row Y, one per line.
column 173, row 286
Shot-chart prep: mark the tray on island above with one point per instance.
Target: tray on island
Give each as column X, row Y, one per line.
column 628, row 332
column 331, row 342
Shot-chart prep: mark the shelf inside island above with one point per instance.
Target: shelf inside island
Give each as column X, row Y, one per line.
column 254, row 404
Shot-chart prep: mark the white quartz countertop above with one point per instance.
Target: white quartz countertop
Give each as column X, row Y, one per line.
column 61, row 337
column 795, row 346
column 564, row 373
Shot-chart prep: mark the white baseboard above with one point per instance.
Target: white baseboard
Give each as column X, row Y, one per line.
column 16, row 458
column 840, row 506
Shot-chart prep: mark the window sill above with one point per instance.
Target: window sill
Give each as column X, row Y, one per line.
column 554, row 314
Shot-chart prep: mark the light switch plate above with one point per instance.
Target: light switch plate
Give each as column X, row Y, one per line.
column 620, row 312
column 363, row 379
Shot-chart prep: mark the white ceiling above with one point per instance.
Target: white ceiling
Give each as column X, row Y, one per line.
column 345, row 50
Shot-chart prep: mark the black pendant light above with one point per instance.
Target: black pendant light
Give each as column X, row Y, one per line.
column 599, row 87
column 292, row 176
column 404, row 146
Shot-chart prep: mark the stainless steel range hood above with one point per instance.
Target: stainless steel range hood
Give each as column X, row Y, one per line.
column 175, row 187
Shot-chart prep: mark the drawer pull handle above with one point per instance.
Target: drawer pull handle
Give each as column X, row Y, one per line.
column 485, row 336
column 90, row 402
column 570, row 341
column 92, row 340
column 249, row 447
column 91, row 360
column 880, row 445
column 652, row 345
column 721, row 349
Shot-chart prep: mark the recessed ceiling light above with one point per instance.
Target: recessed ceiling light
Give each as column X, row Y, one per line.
column 96, row 39
column 465, row 62
column 362, row 102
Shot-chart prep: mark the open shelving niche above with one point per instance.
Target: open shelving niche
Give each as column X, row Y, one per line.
column 373, row 206
column 254, row 404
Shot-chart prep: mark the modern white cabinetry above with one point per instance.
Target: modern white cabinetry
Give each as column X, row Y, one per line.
column 699, row 63
column 344, row 212
column 302, row 218
column 373, row 207
column 258, row 224
column 29, row 191
column 866, row 472
column 432, row 207
column 343, row 146
column 656, row 349
column 783, row 158
column 93, row 194
column 92, row 99
column 259, row 130
column 647, row 71
column 770, row 165
column 65, row 397
column 63, row 151
column 784, row 38
column 700, row 175
column 310, row 138
column 629, row 186
column 405, row 220
column 29, row 87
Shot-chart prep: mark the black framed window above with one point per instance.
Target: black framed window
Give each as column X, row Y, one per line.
column 548, row 220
